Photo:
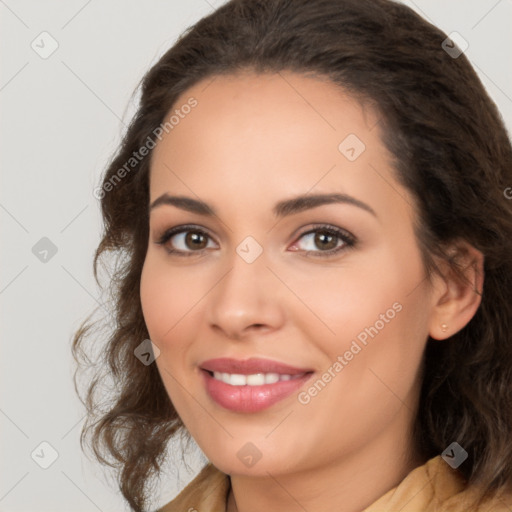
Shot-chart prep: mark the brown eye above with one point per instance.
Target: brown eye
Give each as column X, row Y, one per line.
column 185, row 240
column 196, row 240
column 324, row 241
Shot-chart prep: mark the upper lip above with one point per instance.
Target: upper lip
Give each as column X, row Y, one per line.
column 250, row 366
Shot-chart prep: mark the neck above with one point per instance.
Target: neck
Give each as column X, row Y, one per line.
column 349, row 483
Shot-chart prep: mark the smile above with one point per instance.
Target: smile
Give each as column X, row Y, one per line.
column 252, row 385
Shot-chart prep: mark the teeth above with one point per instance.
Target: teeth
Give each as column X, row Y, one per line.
column 256, row 379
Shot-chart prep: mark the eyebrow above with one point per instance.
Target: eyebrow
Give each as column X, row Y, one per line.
column 281, row 209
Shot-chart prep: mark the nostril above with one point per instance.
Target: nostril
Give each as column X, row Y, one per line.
column 256, row 326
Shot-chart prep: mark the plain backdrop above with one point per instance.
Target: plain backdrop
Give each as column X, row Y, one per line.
column 62, row 116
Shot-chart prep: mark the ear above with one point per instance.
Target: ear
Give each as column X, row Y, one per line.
column 456, row 298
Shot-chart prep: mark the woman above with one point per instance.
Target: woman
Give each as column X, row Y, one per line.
column 315, row 268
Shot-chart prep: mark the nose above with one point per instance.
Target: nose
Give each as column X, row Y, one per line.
column 246, row 300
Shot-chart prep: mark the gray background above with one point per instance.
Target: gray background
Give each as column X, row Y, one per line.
column 61, row 119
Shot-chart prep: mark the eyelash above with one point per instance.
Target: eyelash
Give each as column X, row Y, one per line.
column 349, row 241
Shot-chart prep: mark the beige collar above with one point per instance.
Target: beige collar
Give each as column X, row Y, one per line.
column 434, row 486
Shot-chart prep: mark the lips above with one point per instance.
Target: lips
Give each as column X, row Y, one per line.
column 251, row 385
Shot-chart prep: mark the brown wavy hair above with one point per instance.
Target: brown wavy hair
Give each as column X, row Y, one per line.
column 452, row 152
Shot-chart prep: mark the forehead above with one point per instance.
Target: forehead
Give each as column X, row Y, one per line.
column 268, row 136
column 263, row 103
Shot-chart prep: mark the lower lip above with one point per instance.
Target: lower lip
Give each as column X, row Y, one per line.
column 250, row 398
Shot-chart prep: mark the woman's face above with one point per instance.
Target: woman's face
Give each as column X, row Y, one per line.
column 291, row 322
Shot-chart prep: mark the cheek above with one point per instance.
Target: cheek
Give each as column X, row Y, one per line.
column 164, row 310
column 164, row 298
column 377, row 312
column 349, row 300
column 151, row 297
column 372, row 370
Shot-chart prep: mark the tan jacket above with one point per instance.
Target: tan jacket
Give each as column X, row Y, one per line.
column 433, row 487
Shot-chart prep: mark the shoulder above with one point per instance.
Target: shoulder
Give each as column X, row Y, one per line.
column 452, row 494
column 207, row 492
column 437, row 486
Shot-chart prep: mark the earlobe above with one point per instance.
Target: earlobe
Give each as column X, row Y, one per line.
column 458, row 294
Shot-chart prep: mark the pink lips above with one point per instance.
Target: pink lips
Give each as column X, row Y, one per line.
column 249, row 398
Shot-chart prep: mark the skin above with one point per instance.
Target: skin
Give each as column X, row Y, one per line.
column 251, row 141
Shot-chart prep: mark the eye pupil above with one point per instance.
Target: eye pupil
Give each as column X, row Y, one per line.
column 194, row 239
column 322, row 237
